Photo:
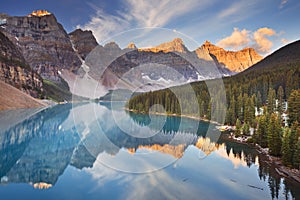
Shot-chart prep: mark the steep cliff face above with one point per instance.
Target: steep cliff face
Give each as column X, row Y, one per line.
column 15, row 71
column 43, row 42
column 235, row 61
column 84, row 42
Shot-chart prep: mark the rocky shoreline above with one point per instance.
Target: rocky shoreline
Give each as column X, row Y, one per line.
column 271, row 161
column 276, row 163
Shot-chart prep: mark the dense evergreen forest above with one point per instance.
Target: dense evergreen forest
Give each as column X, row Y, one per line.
column 255, row 98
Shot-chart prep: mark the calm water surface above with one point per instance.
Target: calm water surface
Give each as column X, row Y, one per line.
column 99, row 151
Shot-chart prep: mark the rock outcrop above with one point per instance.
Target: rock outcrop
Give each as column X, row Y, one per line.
column 175, row 45
column 16, row 72
column 84, row 42
column 131, row 45
column 43, row 42
column 235, row 61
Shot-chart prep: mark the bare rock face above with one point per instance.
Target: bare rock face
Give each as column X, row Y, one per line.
column 83, row 41
column 235, row 61
column 43, row 42
column 15, row 71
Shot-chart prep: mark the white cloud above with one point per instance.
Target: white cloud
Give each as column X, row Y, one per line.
column 282, row 3
column 157, row 13
column 258, row 39
column 103, row 24
column 236, row 40
column 140, row 13
column 262, row 43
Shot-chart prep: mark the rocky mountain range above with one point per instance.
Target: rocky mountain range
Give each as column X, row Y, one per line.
column 49, row 55
column 144, row 69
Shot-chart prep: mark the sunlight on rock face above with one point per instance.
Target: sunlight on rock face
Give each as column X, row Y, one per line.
column 39, row 13
column 175, row 151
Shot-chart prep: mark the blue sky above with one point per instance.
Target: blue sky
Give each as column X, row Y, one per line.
column 264, row 25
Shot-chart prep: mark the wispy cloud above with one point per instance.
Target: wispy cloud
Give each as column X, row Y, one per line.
column 237, row 8
column 258, row 39
column 140, row 13
column 235, row 12
column 282, row 3
column 103, row 24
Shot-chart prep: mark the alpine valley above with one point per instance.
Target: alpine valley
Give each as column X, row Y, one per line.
column 41, row 59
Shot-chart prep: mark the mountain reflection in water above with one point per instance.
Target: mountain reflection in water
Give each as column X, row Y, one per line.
column 38, row 149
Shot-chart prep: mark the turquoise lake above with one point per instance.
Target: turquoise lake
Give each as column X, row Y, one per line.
column 101, row 151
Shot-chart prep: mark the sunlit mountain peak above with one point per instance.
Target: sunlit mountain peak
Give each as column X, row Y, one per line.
column 39, row 13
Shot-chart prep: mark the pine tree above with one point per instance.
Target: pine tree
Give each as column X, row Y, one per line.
column 286, row 150
column 294, row 106
column 293, row 138
column 259, row 100
column 274, row 135
column 230, row 114
column 271, row 100
column 238, row 127
column 280, row 94
column 246, row 129
column 250, row 110
column 262, row 139
column 278, row 137
column 240, row 107
column 296, row 157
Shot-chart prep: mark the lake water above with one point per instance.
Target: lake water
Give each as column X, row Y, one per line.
column 100, row 151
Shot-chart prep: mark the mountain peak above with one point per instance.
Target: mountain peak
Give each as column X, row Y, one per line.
column 39, row 13
column 112, row 45
column 131, row 45
column 207, row 43
column 176, row 45
column 83, row 41
column 177, row 41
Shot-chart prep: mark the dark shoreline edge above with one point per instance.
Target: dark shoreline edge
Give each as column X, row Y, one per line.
column 176, row 115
